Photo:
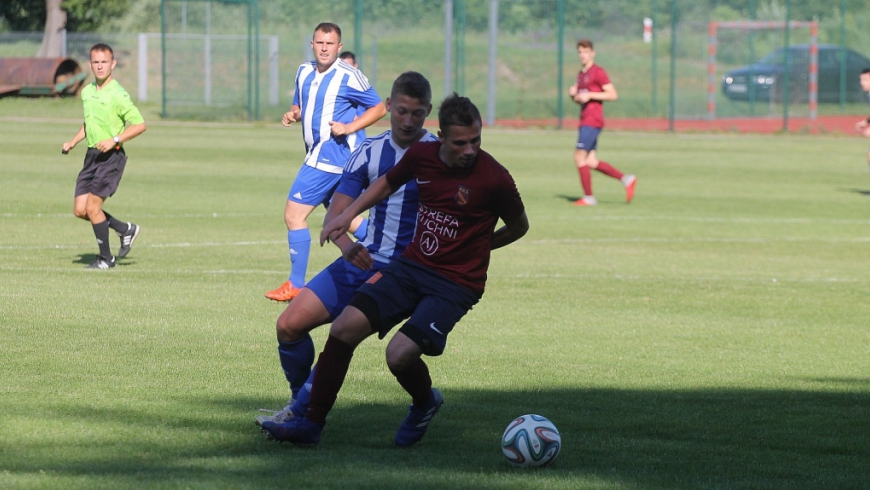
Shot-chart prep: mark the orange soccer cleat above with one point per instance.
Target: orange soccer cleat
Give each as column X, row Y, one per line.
column 284, row 293
column 630, row 180
column 586, row 201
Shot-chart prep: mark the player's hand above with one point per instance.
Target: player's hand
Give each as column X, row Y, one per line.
column 572, row 90
column 582, row 97
column 334, row 228
column 290, row 117
column 860, row 125
column 357, row 255
column 105, row 145
column 69, row 145
column 338, row 129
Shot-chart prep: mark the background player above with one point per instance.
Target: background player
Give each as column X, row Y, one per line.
column 108, row 109
column 360, row 136
column 392, row 224
column 863, row 126
column 593, row 87
column 328, row 91
column 463, row 193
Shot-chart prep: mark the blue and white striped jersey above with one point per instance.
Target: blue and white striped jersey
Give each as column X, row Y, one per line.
column 391, row 221
column 333, row 95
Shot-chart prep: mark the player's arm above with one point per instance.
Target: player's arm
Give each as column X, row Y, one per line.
column 608, row 93
column 69, row 145
column 377, row 192
column 127, row 134
column 291, row 116
column 860, row 125
column 366, row 119
column 351, row 251
column 511, row 231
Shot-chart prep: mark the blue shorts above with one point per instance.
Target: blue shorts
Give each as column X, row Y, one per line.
column 313, row 186
column 335, row 284
column 404, row 289
column 587, row 140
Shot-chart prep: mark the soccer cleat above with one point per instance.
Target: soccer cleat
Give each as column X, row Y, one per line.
column 284, row 293
column 299, row 431
column 278, row 416
column 414, row 426
column 127, row 239
column 586, row 201
column 629, row 181
column 101, row 264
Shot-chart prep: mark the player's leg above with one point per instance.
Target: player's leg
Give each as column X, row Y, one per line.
column 425, row 332
column 295, row 347
column 348, row 330
column 585, row 142
column 80, row 206
column 310, row 189
column 127, row 232
column 628, row 181
column 94, row 209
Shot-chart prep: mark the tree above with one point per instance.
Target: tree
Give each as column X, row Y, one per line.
column 55, row 22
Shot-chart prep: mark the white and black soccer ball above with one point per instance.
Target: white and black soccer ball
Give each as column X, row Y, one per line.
column 531, row 441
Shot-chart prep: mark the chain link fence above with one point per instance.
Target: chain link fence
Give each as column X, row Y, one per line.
column 516, row 58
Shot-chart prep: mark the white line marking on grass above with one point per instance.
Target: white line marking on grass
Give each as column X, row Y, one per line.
column 140, row 216
column 634, row 277
column 150, row 245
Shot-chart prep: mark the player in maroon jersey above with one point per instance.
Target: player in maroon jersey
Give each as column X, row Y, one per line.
column 592, row 89
column 463, row 192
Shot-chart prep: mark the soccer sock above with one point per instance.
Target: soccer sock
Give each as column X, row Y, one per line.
column 332, row 366
column 416, row 381
column 303, row 397
column 608, row 170
column 586, row 180
column 300, row 248
column 360, row 232
column 101, row 231
column 116, row 224
column 296, row 360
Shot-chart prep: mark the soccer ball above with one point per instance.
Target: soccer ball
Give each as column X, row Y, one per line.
column 531, row 441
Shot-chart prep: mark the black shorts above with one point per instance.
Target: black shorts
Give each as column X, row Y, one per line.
column 101, row 172
column 404, row 289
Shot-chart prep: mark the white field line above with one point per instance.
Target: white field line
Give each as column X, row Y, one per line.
column 700, row 240
column 150, row 245
column 140, row 216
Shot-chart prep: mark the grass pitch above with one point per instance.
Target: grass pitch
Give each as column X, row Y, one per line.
column 712, row 334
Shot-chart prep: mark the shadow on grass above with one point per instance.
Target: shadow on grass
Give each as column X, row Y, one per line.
column 863, row 192
column 689, row 439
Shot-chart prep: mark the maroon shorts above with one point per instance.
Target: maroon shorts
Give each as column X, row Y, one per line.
column 101, row 172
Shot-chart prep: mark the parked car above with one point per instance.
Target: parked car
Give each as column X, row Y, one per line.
column 766, row 76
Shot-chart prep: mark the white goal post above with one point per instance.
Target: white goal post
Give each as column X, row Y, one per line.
column 144, row 38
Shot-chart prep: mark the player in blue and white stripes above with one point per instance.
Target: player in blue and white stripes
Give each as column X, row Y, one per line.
column 391, row 229
column 328, row 93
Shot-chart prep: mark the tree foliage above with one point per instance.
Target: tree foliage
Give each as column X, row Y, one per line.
column 82, row 15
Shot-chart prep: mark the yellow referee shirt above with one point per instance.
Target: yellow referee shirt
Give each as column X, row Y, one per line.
column 107, row 111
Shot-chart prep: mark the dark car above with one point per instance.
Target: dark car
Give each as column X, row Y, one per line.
column 766, row 76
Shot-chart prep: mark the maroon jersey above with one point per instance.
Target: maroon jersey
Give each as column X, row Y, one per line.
column 457, row 212
column 592, row 80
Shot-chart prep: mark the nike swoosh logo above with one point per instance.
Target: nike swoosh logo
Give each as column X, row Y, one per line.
column 423, row 181
column 432, row 326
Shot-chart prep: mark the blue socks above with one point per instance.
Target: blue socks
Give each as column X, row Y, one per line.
column 300, row 247
column 296, row 360
column 303, row 396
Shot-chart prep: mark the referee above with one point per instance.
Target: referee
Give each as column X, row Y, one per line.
column 108, row 109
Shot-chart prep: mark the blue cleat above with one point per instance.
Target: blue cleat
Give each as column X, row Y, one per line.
column 414, row 426
column 300, row 431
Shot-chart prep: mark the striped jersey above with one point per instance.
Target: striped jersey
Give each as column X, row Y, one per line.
column 391, row 221
column 334, row 95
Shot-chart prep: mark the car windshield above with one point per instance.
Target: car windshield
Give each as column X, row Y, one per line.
column 797, row 55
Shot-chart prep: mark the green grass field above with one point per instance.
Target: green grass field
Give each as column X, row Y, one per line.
column 712, row 334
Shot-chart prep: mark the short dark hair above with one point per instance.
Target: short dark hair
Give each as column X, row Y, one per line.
column 327, row 27
column 413, row 85
column 456, row 110
column 585, row 43
column 865, row 71
column 347, row 54
column 102, row 47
